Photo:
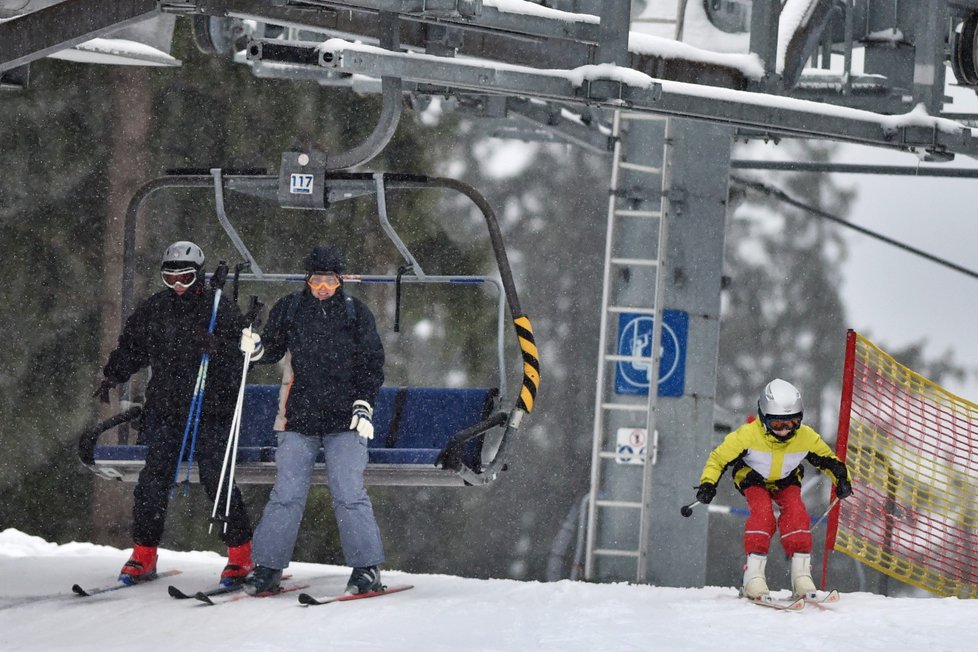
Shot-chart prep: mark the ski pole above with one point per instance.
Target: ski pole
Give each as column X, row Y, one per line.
column 194, row 411
column 217, row 281
column 234, row 436
column 197, row 401
column 231, row 451
column 234, row 444
column 822, row 517
column 687, row 510
column 200, row 407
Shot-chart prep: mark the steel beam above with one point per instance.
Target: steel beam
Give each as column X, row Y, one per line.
column 856, row 168
column 637, row 92
column 61, row 26
column 615, row 22
column 548, row 24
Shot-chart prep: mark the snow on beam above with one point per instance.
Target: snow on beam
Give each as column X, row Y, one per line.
column 625, row 88
column 35, row 35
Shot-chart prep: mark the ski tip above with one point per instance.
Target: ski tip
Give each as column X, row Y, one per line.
column 203, row 597
column 78, row 590
column 306, row 599
column 797, row 605
column 177, row 593
column 792, row 604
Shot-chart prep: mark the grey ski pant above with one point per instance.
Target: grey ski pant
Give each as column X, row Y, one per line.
column 346, row 459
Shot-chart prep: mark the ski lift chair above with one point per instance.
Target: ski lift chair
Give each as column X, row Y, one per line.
column 430, row 436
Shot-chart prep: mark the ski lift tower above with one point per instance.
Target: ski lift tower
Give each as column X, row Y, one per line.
column 672, row 111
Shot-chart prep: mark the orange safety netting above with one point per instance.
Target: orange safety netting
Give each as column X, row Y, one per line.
column 912, row 449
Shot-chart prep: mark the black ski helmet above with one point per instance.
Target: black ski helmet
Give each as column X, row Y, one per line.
column 324, row 258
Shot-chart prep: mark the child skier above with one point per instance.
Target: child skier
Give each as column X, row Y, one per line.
column 765, row 457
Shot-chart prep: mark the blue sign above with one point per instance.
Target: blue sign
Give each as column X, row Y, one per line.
column 635, row 340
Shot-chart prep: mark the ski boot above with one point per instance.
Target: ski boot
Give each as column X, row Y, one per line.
column 364, row 579
column 141, row 565
column 802, row 585
column 262, row 579
column 755, row 585
column 239, row 564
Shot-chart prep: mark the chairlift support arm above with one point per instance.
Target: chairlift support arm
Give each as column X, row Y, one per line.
column 222, row 217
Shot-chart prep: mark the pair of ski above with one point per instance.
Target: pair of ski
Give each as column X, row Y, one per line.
column 203, row 596
column 215, row 595
column 208, row 596
column 78, row 590
column 796, row 603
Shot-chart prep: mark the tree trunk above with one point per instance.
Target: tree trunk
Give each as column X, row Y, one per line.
column 131, row 102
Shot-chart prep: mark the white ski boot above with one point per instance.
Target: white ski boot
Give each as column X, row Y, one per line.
column 755, row 585
column 801, row 575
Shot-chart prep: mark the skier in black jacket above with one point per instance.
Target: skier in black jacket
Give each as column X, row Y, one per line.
column 334, row 367
column 169, row 333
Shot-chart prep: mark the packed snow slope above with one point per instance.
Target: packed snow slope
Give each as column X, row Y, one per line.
column 39, row 612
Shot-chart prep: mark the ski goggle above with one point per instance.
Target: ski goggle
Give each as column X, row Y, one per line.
column 774, row 423
column 329, row 281
column 182, row 277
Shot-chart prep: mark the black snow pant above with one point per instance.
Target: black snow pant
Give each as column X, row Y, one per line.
column 164, row 435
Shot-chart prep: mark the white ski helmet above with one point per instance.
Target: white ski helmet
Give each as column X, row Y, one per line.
column 780, row 398
column 780, row 408
column 183, row 254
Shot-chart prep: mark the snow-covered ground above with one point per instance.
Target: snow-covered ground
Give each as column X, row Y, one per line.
column 39, row 612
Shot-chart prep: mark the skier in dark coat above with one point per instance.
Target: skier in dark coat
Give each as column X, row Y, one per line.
column 169, row 333
column 334, row 367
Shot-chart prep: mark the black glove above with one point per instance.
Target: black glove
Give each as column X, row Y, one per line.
column 706, row 492
column 843, row 489
column 256, row 313
column 102, row 393
column 206, row 342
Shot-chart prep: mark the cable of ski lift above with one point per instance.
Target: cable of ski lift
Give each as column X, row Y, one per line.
column 784, row 197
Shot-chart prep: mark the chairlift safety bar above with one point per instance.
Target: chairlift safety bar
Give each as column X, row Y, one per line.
column 391, row 278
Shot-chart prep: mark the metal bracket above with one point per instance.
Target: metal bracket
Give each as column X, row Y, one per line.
column 226, row 223
column 389, row 229
column 391, row 107
column 302, row 180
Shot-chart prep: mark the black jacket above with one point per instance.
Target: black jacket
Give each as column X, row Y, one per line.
column 163, row 333
column 333, row 357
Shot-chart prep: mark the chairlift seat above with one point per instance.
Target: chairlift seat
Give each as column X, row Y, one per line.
column 412, row 425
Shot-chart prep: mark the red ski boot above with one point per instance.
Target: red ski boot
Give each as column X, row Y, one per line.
column 141, row 565
column 239, row 564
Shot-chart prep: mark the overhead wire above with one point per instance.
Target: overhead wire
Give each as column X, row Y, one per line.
column 781, row 195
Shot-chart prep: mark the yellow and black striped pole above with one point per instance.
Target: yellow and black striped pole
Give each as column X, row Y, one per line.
column 531, row 363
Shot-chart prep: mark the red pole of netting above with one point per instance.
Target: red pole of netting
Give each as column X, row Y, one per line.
column 841, row 441
column 912, row 450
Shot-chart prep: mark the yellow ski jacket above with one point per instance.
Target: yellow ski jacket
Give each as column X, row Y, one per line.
column 758, row 458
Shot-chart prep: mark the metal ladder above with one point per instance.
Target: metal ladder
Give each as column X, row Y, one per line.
column 621, row 477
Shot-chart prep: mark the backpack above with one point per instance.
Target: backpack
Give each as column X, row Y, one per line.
column 296, row 297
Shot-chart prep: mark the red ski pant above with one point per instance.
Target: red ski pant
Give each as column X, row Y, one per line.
column 793, row 521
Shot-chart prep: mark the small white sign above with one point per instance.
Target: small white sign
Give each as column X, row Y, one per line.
column 631, row 445
column 301, row 184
